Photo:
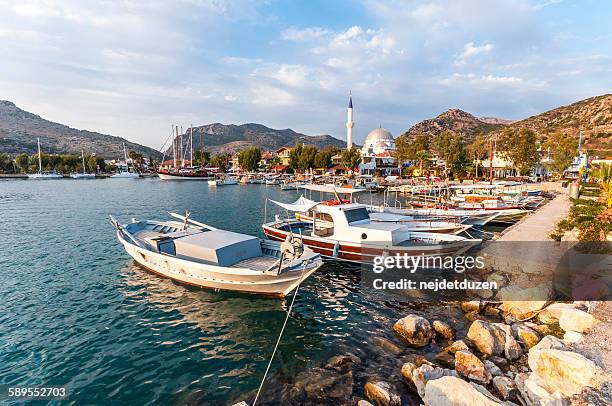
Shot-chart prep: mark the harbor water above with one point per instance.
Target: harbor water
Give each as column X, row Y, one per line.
column 77, row 312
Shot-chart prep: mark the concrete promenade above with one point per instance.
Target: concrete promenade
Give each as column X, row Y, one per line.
column 537, row 225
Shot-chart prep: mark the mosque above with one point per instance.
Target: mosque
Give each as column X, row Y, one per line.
column 378, row 150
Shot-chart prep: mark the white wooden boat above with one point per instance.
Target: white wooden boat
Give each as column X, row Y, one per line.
column 348, row 233
column 40, row 174
column 126, row 173
column 197, row 254
column 84, row 174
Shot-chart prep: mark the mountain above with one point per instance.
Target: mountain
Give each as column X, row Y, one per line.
column 592, row 115
column 219, row 137
column 19, row 130
column 454, row 120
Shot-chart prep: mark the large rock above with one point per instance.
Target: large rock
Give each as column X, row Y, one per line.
column 526, row 335
column 506, row 387
column 414, row 330
column 492, row 368
column 382, row 393
column 318, row 385
column 533, row 394
column 456, row 346
column 471, row 306
column 407, row 370
column 552, row 313
column 572, row 337
column 488, row 339
column 468, row 365
column 342, row 363
column 444, row 329
column 451, row 391
column 549, row 342
column 576, row 320
column 519, row 302
column 425, row 373
column 562, row 371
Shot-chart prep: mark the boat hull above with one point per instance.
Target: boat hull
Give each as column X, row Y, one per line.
column 362, row 252
column 178, row 176
column 215, row 277
column 44, row 176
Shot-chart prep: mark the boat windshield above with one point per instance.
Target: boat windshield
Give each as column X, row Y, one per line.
column 358, row 214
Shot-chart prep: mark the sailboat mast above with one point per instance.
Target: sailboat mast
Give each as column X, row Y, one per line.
column 127, row 167
column 83, row 159
column 191, row 142
column 39, row 157
column 174, row 146
column 181, row 151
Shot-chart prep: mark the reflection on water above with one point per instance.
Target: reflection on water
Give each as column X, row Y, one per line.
column 76, row 311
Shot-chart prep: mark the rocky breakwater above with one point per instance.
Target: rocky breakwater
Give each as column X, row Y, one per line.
column 512, row 353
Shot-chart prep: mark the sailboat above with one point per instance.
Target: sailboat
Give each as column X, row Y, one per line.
column 126, row 173
column 40, row 174
column 83, row 175
column 180, row 172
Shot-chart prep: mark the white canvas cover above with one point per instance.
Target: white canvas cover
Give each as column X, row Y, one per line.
column 301, row 205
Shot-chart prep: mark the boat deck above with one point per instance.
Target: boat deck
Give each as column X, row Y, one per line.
column 261, row 264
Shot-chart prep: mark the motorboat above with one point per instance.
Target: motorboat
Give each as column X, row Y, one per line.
column 289, row 185
column 345, row 231
column 125, row 174
column 40, row 174
column 84, row 174
column 198, row 254
column 228, row 180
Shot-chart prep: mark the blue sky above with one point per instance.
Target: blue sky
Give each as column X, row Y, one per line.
column 132, row 68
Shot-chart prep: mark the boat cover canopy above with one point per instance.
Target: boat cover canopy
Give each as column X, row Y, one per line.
column 219, row 247
column 332, row 189
column 301, row 205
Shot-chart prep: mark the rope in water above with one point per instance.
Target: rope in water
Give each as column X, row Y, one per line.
column 281, row 333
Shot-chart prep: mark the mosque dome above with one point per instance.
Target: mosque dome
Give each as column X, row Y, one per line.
column 378, row 140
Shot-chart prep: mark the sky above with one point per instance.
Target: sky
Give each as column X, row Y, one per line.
column 133, row 68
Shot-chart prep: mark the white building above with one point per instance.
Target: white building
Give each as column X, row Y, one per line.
column 378, row 154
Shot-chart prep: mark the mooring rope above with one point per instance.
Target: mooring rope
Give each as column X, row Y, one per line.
column 281, row 333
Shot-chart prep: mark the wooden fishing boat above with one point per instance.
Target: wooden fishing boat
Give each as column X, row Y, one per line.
column 348, row 233
column 197, row 254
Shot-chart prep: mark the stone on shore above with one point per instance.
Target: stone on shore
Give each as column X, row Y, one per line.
column 552, row 313
column 386, row 345
column 493, row 369
column 561, row 371
column 407, row 370
column 425, row 373
column 549, row 342
column 471, row 306
column 363, row 402
column 457, row 346
column 451, row 391
column 576, row 320
column 533, row 394
column 519, row 303
column 445, row 359
column 444, row 329
column 506, row 387
column 526, row 335
column 320, row 384
column 572, row 337
column 382, row 393
column 487, row 338
column 342, row 363
column 470, row 366
column 414, row 330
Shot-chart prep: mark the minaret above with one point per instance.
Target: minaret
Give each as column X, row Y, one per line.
column 349, row 123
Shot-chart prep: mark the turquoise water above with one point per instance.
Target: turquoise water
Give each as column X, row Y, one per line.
column 76, row 311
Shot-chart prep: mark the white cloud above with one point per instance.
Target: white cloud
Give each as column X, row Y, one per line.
column 470, row 51
column 230, row 98
column 306, row 34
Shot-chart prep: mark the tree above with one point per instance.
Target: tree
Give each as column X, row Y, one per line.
column 294, row 156
column 323, row 159
column 221, row 161
column 407, row 149
column 478, row 150
column 201, row 158
column 520, row 147
column 6, row 164
column 450, row 147
column 23, row 162
column 422, row 156
column 249, row 158
column 562, row 149
column 351, row 158
column 307, row 157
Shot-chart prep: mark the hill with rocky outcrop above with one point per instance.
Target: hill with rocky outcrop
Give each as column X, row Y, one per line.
column 19, row 130
column 218, row 138
column 592, row 115
column 456, row 121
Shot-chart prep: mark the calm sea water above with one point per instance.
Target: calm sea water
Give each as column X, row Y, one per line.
column 76, row 311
